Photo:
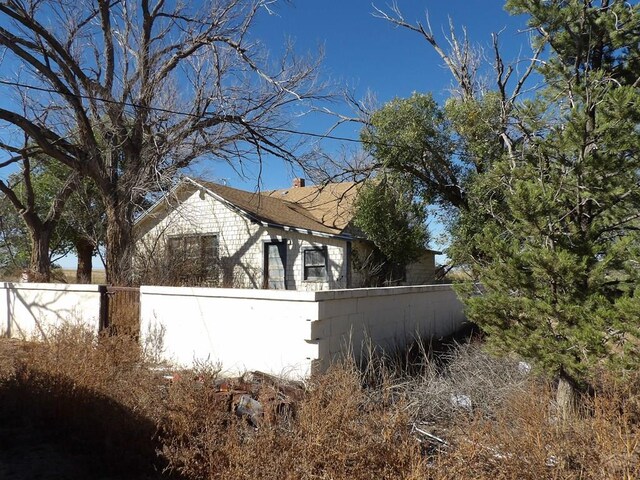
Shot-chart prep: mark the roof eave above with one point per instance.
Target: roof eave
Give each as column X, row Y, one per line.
column 340, row 236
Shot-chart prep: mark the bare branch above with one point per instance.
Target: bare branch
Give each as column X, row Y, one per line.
column 457, row 62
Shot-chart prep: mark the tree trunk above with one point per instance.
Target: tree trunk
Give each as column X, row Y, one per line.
column 40, row 263
column 118, row 243
column 84, row 250
column 566, row 398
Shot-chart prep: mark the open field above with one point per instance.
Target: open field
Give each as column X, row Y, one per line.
column 97, row 276
column 76, row 408
column 66, row 275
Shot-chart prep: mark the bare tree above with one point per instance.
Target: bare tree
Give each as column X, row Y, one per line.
column 442, row 155
column 129, row 92
column 464, row 59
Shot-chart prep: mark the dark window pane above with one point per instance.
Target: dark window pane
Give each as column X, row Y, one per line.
column 209, row 245
column 314, row 258
column 314, row 272
column 315, row 261
column 195, row 258
column 175, row 245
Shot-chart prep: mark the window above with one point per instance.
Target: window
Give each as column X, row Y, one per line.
column 315, row 263
column 275, row 265
column 194, row 258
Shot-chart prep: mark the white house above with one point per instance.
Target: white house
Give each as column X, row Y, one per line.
column 300, row 238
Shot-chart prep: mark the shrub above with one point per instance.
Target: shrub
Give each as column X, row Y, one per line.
column 335, row 432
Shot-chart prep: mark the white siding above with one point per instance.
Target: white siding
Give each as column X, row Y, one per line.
column 420, row 272
column 336, row 256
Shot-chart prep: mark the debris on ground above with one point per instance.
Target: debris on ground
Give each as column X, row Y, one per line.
column 461, row 401
column 250, row 409
column 255, row 396
column 425, row 436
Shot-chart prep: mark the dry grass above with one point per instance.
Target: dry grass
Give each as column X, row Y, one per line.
column 98, row 277
column 93, row 391
column 334, row 432
column 525, row 440
column 62, row 275
column 103, row 396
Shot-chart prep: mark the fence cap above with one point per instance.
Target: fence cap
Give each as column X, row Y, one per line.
column 64, row 287
column 380, row 291
column 291, row 295
column 248, row 293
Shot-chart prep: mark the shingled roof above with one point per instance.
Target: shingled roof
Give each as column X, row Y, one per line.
column 326, row 209
column 332, row 204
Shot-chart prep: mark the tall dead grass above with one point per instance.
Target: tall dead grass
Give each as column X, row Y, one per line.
column 94, row 391
column 335, row 431
column 525, row 439
column 103, row 395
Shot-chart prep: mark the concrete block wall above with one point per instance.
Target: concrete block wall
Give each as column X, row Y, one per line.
column 388, row 318
column 33, row 310
column 238, row 329
column 280, row 332
column 288, row 331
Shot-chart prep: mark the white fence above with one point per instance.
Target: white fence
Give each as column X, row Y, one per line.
column 281, row 332
column 241, row 329
column 285, row 332
column 32, row 310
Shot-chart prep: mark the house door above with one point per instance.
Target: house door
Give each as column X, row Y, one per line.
column 275, row 261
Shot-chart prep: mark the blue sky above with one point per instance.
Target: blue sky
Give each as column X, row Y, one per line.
column 368, row 53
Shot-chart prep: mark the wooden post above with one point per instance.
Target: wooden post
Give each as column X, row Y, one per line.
column 104, row 308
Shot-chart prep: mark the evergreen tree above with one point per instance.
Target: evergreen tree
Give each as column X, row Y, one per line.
column 543, row 193
column 559, row 245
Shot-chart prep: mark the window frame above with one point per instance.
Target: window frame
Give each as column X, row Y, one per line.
column 283, row 251
column 325, row 253
column 208, row 265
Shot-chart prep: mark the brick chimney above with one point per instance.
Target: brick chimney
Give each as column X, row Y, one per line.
column 298, row 182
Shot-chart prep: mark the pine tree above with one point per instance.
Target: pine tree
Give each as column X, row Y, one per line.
column 560, row 248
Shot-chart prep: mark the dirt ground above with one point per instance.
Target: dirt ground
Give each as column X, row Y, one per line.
column 65, row 275
column 97, row 276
